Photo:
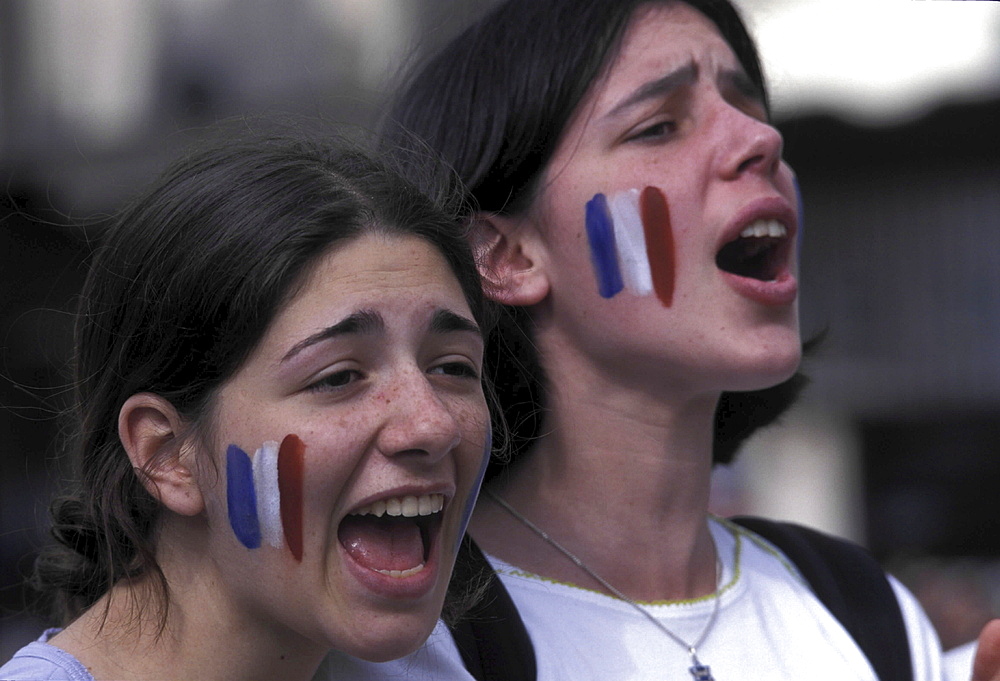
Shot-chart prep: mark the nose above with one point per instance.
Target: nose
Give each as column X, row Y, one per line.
column 418, row 421
column 751, row 145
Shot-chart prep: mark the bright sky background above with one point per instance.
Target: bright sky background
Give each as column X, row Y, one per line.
column 876, row 61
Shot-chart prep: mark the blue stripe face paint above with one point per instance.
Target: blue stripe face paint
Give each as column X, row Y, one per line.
column 470, row 503
column 241, row 497
column 603, row 253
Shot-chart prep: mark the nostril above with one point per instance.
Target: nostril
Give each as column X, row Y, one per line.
column 751, row 162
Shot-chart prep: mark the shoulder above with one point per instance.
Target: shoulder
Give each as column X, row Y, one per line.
column 880, row 614
column 39, row 661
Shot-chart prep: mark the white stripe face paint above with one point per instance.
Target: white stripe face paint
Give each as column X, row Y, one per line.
column 631, row 242
column 265, row 481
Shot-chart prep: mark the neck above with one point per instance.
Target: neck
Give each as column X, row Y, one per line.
column 618, row 475
column 203, row 637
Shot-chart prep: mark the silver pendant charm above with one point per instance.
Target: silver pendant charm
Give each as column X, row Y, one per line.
column 701, row 672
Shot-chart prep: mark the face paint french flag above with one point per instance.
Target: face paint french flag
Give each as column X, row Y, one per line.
column 264, row 494
column 631, row 243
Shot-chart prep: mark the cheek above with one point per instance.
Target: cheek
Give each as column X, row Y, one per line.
column 470, row 503
column 632, row 243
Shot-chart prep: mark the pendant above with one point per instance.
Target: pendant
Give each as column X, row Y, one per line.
column 701, row 672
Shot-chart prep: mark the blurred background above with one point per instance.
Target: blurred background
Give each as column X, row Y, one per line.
column 891, row 116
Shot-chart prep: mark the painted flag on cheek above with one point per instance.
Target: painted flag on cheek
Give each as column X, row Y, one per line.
column 265, row 495
column 631, row 243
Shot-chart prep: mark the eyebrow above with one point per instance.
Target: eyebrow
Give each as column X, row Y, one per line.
column 367, row 322
column 654, row 89
column 743, row 85
column 360, row 322
column 446, row 321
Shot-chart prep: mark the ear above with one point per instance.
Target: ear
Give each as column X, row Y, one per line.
column 509, row 254
column 151, row 432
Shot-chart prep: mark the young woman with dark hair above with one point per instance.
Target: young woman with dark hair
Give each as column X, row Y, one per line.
column 639, row 225
column 280, row 422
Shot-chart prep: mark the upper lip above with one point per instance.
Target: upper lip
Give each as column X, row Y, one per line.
column 768, row 208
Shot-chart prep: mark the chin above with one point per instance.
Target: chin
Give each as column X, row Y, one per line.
column 767, row 368
column 399, row 636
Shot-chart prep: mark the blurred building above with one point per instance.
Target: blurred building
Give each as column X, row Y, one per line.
column 896, row 147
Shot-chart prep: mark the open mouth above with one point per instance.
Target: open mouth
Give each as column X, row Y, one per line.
column 393, row 536
column 760, row 252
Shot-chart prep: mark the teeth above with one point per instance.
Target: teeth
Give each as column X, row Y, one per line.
column 407, row 507
column 403, row 573
column 762, row 228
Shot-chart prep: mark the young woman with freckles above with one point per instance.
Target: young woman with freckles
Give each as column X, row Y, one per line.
column 281, row 426
column 639, row 225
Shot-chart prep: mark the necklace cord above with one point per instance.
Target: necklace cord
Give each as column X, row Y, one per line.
column 692, row 649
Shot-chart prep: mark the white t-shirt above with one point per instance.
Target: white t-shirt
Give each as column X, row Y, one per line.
column 958, row 662
column 770, row 627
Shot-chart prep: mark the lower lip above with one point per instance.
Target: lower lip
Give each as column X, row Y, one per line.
column 778, row 292
column 413, row 587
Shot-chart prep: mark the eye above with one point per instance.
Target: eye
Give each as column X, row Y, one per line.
column 335, row 381
column 459, row 369
column 658, row 131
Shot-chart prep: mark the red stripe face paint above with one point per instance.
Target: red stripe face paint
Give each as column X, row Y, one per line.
column 291, row 480
column 659, row 242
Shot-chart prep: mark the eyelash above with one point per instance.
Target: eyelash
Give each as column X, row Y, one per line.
column 332, row 382
column 457, row 369
column 335, row 381
column 655, row 132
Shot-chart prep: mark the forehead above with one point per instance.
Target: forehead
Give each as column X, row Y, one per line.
column 659, row 39
column 401, row 276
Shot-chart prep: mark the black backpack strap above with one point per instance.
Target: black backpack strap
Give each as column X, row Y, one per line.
column 852, row 585
column 490, row 636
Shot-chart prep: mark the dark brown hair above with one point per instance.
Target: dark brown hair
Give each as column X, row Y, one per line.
column 495, row 103
column 184, row 286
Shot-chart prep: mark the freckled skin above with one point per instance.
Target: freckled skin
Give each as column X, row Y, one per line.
column 377, row 412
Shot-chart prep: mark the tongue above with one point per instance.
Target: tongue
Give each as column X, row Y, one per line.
column 382, row 543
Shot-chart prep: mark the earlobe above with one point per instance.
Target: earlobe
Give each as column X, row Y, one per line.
column 508, row 254
column 151, row 431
